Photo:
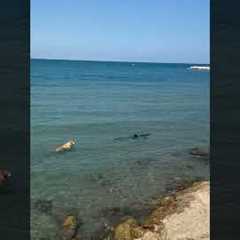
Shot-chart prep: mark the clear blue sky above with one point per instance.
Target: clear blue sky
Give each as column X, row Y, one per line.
column 131, row 30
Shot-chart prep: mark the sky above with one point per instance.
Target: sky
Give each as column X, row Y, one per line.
column 121, row 30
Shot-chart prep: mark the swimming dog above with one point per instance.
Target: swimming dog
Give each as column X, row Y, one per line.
column 66, row 146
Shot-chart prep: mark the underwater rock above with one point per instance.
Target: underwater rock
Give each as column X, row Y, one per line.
column 70, row 228
column 189, row 167
column 69, row 222
column 145, row 162
column 124, row 230
column 103, row 231
column 44, row 206
column 100, row 179
column 66, row 147
column 128, row 230
column 114, row 214
column 199, row 152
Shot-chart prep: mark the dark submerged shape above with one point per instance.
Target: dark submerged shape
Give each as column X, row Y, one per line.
column 199, row 152
column 134, row 136
column 44, row 206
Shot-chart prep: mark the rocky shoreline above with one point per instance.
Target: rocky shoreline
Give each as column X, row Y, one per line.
column 181, row 214
column 184, row 215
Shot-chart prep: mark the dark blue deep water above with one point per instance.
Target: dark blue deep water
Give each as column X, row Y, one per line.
column 96, row 102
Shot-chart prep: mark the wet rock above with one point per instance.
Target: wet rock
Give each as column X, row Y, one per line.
column 174, row 216
column 179, row 184
column 44, row 206
column 166, row 206
column 70, row 228
column 123, row 230
column 128, row 230
column 137, row 232
column 199, row 152
column 69, row 222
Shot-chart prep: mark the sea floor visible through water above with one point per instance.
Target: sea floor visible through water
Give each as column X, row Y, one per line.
column 109, row 175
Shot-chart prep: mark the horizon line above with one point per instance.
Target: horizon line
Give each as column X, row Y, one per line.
column 114, row 61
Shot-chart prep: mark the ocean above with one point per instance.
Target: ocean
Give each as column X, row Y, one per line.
column 102, row 105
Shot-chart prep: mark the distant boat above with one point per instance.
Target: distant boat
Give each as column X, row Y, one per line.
column 200, row 68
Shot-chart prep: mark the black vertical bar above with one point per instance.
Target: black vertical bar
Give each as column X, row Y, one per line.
column 225, row 120
column 15, row 119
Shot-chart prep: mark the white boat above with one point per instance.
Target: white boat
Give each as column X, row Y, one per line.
column 200, row 68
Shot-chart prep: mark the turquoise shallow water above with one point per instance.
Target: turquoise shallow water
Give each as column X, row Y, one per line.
column 96, row 102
